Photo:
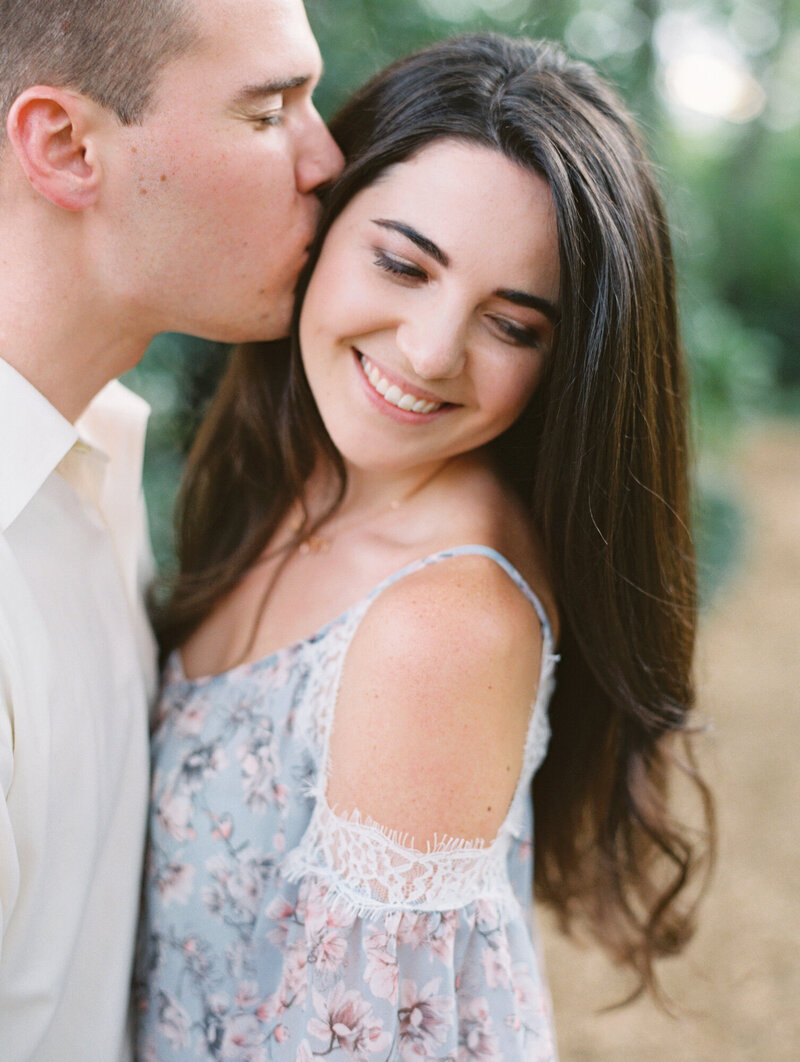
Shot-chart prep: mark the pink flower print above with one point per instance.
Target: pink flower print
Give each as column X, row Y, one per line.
column 278, row 674
column 195, row 957
column 173, row 1021
column 214, row 899
column 413, row 930
column 424, row 1020
column 321, row 909
column 279, row 909
column 280, row 912
column 381, row 972
column 190, row 719
column 175, row 815
column 346, row 1020
column 243, row 1039
column 487, row 916
column 294, row 980
column 325, row 922
column 260, row 767
column 200, row 766
column 434, row 931
column 223, row 827
column 238, row 958
column 245, row 884
column 304, row 1053
column 246, row 995
column 219, row 867
column 281, row 1034
column 476, row 1041
column 175, row 882
column 329, row 950
column 443, row 936
column 529, row 996
column 267, row 1010
column 496, row 962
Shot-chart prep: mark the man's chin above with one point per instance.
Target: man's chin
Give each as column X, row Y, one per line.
column 267, row 328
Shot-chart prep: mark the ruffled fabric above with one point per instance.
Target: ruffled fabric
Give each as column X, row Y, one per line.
column 325, row 982
column 276, row 929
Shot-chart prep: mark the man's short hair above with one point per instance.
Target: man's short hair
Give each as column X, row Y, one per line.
column 110, row 50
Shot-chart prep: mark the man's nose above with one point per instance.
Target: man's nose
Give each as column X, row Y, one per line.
column 320, row 159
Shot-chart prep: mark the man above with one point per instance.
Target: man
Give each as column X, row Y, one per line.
column 158, row 164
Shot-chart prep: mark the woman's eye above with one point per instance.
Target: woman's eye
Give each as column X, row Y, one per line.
column 518, row 334
column 399, row 267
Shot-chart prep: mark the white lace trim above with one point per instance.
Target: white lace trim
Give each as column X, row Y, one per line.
column 371, row 869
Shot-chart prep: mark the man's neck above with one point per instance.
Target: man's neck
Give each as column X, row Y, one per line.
column 57, row 329
column 68, row 370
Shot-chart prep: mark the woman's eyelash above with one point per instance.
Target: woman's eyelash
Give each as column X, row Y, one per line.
column 397, row 267
column 527, row 337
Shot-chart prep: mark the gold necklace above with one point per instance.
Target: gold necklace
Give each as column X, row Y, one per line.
column 314, row 543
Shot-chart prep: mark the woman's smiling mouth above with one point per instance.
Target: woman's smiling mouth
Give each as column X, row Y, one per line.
column 393, row 394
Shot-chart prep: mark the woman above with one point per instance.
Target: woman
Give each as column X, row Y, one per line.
column 473, row 448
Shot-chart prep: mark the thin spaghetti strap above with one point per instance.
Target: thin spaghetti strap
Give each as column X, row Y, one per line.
column 474, row 549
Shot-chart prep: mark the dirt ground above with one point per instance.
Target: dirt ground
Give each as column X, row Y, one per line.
column 738, row 985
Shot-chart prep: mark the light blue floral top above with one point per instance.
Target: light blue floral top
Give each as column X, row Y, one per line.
column 275, row 928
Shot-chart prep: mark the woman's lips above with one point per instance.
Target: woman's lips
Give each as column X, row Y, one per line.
column 408, row 401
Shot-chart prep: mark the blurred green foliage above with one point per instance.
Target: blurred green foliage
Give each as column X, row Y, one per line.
column 730, row 180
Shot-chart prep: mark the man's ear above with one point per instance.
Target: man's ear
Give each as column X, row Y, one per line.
column 48, row 129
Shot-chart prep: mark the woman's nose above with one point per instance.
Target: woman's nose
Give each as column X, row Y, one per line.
column 435, row 347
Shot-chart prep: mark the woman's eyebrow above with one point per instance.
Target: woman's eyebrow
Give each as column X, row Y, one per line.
column 424, row 244
column 534, row 302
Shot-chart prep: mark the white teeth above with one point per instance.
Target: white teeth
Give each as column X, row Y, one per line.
column 393, row 394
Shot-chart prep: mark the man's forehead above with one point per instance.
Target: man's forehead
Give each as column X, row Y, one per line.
column 273, row 35
column 286, row 20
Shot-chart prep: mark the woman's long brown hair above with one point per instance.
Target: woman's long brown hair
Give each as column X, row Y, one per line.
column 599, row 458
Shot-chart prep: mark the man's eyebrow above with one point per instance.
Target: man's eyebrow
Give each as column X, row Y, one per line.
column 534, row 302
column 424, row 244
column 254, row 93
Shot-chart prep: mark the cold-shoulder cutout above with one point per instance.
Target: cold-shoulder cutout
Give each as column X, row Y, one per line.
column 434, row 702
column 419, row 799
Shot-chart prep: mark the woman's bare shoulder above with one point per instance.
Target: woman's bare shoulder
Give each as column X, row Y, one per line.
column 435, row 700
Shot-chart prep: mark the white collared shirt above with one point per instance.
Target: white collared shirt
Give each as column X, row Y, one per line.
column 77, row 666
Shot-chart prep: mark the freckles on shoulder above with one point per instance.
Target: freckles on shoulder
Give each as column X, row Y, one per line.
column 435, row 701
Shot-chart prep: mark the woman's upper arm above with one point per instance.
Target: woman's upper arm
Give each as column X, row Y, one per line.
column 434, row 703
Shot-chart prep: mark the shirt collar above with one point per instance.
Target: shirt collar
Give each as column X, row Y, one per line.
column 35, row 437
